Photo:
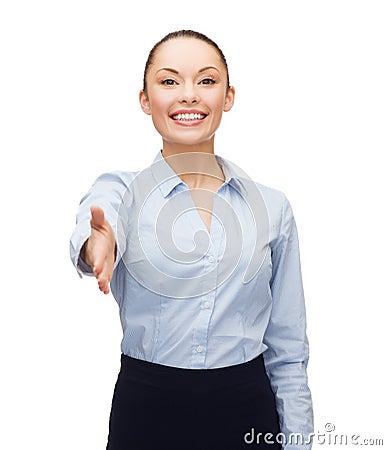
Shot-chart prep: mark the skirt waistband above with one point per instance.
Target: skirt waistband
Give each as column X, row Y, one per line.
column 146, row 372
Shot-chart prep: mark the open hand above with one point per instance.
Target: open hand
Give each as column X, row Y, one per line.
column 99, row 250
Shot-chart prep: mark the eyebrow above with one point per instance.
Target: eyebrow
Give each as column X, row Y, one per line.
column 169, row 69
column 208, row 67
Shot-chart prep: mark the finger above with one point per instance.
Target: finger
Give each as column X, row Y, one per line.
column 101, row 267
column 104, row 277
column 103, row 286
column 98, row 268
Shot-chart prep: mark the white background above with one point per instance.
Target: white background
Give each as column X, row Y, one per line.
column 310, row 119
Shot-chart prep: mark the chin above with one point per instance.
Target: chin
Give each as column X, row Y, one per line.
column 189, row 141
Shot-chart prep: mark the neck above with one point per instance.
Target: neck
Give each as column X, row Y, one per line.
column 170, row 148
column 196, row 165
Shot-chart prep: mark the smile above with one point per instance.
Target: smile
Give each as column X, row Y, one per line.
column 188, row 116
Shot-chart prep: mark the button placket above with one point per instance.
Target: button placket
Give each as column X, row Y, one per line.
column 200, row 340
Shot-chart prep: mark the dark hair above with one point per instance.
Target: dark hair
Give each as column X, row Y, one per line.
column 183, row 34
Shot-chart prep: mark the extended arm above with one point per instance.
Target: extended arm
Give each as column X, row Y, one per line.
column 99, row 237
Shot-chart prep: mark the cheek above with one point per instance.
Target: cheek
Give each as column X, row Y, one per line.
column 215, row 101
column 160, row 102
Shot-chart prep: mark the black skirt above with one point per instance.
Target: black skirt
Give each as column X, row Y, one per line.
column 157, row 407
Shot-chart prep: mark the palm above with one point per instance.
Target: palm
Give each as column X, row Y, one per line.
column 100, row 249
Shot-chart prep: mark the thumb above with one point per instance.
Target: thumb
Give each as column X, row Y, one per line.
column 97, row 217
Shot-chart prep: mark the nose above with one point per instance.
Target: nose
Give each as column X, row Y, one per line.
column 189, row 94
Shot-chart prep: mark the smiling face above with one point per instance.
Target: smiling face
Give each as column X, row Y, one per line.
column 186, row 94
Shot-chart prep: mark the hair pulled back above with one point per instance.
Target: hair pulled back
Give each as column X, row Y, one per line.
column 183, row 34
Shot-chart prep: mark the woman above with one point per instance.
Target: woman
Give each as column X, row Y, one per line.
column 204, row 264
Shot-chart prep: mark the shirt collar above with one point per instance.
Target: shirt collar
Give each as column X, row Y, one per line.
column 166, row 178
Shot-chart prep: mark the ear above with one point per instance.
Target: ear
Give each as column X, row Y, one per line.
column 229, row 101
column 144, row 102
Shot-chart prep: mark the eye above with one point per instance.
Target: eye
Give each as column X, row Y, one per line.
column 168, row 82
column 207, row 81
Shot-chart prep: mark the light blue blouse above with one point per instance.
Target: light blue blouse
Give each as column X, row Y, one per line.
column 192, row 299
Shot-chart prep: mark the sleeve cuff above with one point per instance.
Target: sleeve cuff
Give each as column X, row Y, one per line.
column 84, row 268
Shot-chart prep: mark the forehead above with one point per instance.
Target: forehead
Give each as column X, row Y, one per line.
column 187, row 53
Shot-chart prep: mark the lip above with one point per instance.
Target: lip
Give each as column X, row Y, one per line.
column 188, row 111
column 188, row 123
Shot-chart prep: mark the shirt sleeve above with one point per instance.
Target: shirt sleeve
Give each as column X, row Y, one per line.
column 287, row 356
column 110, row 192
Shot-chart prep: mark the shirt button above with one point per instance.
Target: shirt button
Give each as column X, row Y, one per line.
column 206, row 305
column 211, row 259
column 199, row 348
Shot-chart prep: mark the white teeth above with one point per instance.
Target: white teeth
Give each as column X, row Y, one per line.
column 188, row 116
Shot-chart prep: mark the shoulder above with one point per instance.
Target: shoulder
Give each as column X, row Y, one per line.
column 277, row 203
column 278, row 209
column 112, row 186
column 119, row 177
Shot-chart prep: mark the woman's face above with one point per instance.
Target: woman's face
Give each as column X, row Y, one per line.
column 186, row 92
